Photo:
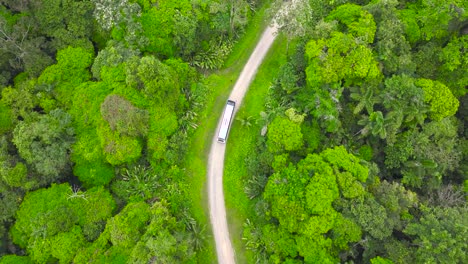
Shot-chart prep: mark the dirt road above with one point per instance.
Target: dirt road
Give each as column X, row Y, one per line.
column 224, row 248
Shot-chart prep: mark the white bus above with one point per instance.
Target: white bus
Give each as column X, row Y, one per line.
column 226, row 123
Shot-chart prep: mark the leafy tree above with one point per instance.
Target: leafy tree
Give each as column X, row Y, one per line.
column 141, row 232
column 69, row 72
column 22, row 49
column 365, row 98
column 435, row 17
column 312, row 135
column 345, row 230
column 358, row 22
column 56, row 222
column 404, row 102
column 89, row 161
column 393, row 50
column 123, row 117
column 375, row 124
column 398, row 153
column 113, row 55
column 9, row 201
column 67, row 22
column 397, row 202
column 157, row 81
column 296, row 19
column 440, row 234
column 440, row 98
column 284, row 135
column 6, row 120
column 118, row 148
column 338, row 58
column 302, row 199
column 14, row 259
column 170, row 28
column 435, row 153
column 64, row 245
column 45, row 144
column 412, row 30
column 372, row 217
column 454, row 61
column 127, row 227
column 163, row 123
column 20, row 100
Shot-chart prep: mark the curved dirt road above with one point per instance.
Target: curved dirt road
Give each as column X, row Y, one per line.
column 224, row 248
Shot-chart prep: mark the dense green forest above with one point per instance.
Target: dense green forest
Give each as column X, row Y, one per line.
column 99, row 99
column 363, row 155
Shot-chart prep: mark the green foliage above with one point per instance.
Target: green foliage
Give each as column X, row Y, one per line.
column 159, row 82
column 302, row 198
column 380, row 260
column 358, row 21
column 440, row 234
column 294, row 117
column 440, row 98
column 96, row 173
column 372, row 217
column 398, row 153
column 345, row 230
column 19, row 99
column 126, row 228
column 123, row 117
column 118, row 149
column 339, row 57
column 141, row 232
column 56, row 222
column 434, row 18
column 412, row 29
column 455, row 60
column 138, row 183
column 69, row 72
column 284, row 135
column 435, row 153
column 366, row 152
column 312, row 135
column 44, row 143
column 163, row 123
column 14, row 259
column 9, row 202
column 113, row 55
column 67, row 22
column 64, row 245
column 392, row 48
column 170, row 28
column 397, row 202
column 6, row 120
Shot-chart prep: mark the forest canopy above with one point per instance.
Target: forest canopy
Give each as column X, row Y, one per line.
column 99, row 101
column 361, row 155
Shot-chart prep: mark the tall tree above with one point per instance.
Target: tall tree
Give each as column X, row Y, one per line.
column 440, row 235
column 44, row 143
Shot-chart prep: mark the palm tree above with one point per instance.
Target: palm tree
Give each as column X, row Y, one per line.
column 374, row 124
column 245, row 121
column 365, row 99
column 198, row 237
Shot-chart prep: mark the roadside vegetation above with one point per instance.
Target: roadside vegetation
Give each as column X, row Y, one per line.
column 351, row 146
column 242, row 139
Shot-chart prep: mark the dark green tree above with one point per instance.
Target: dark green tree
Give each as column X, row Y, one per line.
column 439, row 235
column 44, row 143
